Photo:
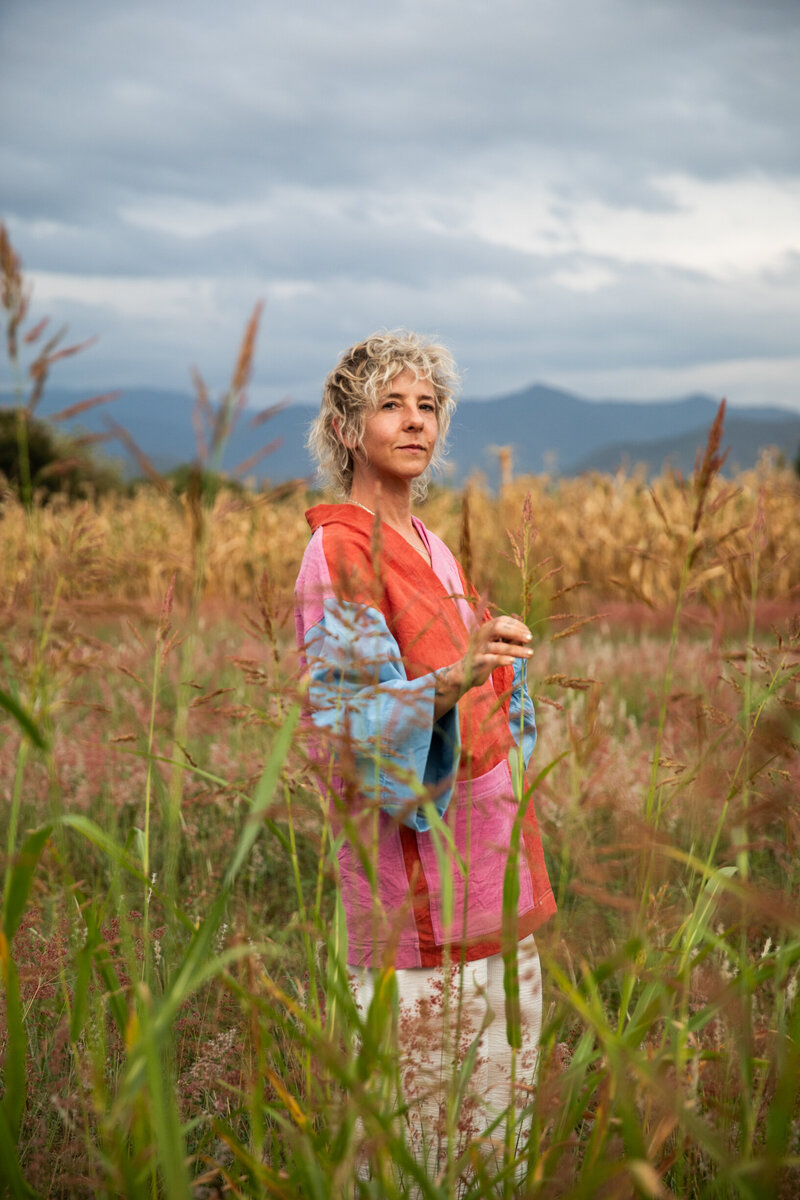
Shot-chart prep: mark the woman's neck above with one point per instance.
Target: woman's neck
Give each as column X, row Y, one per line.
column 394, row 507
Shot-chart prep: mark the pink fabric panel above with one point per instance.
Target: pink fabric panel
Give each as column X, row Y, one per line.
column 314, row 569
column 385, row 920
column 481, row 815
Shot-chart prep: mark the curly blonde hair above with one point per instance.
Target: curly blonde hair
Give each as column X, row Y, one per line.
column 354, row 387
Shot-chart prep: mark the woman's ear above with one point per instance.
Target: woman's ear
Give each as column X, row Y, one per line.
column 337, row 429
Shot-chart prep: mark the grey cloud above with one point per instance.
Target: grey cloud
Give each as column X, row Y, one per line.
column 109, row 107
column 342, row 93
column 295, row 244
column 500, row 342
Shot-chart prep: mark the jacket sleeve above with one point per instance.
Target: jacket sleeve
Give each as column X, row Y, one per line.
column 521, row 715
column 359, row 693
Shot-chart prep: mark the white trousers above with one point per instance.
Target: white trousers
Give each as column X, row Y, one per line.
column 439, row 1019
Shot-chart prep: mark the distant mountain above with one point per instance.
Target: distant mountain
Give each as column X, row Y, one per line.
column 161, row 424
column 548, row 429
column 679, row 453
column 557, row 431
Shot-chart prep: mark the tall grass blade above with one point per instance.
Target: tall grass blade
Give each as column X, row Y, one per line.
column 264, row 793
column 23, row 719
column 83, row 974
column 510, row 920
column 164, row 1115
column 98, row 837
column 12, row 1180
column 20, row 877
column 16, row 1051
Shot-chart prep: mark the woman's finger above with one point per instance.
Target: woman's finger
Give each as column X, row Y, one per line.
column 509, row 648
column 509, row 629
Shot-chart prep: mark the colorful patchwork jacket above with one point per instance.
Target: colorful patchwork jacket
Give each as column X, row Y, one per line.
column 374, row 623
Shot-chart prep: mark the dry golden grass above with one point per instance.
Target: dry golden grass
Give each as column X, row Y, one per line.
column 626, row 540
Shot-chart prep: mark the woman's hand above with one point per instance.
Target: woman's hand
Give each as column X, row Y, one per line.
column 495, row 643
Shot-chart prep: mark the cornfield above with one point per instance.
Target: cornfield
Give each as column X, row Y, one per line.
column 622, row 539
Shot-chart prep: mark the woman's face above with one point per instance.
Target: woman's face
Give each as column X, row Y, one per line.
column 400, row 435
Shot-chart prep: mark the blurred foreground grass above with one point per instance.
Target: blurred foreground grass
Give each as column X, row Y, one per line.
column 175, row 1010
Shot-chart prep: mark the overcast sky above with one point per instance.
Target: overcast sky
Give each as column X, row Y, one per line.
column 598, row 194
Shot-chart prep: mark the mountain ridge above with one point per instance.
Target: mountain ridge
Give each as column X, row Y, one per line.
column 549, row 429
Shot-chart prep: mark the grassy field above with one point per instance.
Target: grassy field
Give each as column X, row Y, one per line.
column 176, row 1019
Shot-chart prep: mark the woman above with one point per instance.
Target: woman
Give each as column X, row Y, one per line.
column 419, row 700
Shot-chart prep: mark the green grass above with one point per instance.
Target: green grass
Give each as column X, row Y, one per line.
column 163, row 1036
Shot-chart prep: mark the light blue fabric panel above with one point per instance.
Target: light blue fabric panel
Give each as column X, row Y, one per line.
column 521, row 702
column 358, row 686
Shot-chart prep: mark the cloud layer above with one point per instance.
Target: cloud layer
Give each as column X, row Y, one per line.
column 597, row 193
